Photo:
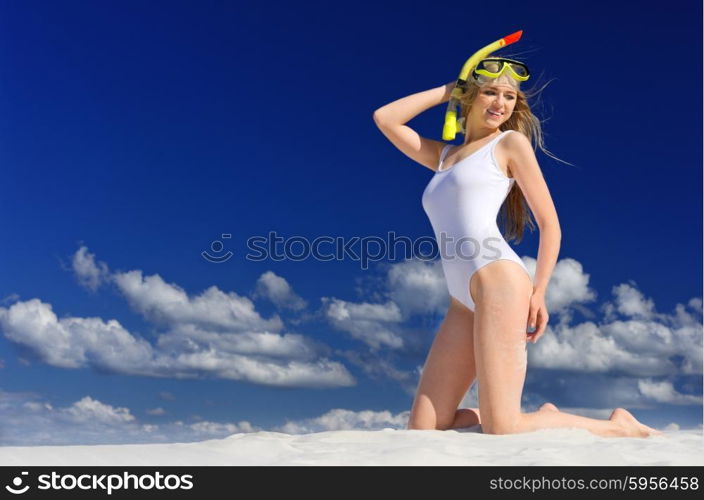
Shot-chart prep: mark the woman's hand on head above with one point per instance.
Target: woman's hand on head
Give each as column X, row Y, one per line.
column 448, row 88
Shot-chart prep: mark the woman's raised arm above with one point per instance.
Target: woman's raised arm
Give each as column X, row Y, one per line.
column 392, row 118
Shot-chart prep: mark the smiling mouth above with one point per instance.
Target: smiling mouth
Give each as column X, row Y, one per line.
column 495, row 115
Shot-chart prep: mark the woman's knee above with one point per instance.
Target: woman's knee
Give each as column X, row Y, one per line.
column 419, row 424
column 429, row 420
column 427, row 426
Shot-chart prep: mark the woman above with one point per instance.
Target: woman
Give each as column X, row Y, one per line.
column 492, row 296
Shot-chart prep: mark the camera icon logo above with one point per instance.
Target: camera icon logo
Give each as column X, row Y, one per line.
column 217, row 247
column 17, row 483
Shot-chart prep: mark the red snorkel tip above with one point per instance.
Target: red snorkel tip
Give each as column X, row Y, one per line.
column 513, row 37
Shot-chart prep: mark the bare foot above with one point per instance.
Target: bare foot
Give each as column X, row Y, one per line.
column 548, row 407
column 631, row 426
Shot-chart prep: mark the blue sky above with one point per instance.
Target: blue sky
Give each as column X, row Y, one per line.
column 134, row 135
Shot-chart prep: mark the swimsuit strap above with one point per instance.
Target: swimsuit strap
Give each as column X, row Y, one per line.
column 443, row 153
column 503, row 133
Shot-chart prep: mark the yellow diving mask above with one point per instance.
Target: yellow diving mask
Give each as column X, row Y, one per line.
column 480, row 68
column 494, row 67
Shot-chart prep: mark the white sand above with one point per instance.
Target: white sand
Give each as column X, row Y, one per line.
column 383, row 447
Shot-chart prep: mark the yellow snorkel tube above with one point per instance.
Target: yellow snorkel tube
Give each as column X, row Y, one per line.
column 449, row 130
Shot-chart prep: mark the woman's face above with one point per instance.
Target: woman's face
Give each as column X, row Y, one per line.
column 494, row 104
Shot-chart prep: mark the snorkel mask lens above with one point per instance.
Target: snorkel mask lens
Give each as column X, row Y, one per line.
column 493, row 67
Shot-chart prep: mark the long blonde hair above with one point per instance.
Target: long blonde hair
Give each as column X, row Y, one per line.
column 514, row 211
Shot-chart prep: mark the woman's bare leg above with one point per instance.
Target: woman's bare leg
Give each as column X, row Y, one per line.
column 448, row 372
column 467, row 417
column 501, row 291
column 620, row 424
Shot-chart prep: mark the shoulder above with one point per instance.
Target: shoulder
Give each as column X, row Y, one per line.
column 516, row 141
column 519, row 153
column 516, row 146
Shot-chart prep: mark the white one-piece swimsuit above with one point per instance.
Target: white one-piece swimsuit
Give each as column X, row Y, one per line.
column 462, row 203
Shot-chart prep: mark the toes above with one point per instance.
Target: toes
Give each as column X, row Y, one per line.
column 653, row 432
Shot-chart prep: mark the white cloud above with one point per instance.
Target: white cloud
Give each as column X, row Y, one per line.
column 91, row 410
column 418, row 287
column 74, row 342
column 631, row 302
column 214, row 333
column 218, row 428
column 603, row 390
column 27, row 420
column 373, row 324
column 279, row 291
column 341, row 419
column 584, row 347
column 647, row 344
column 664, row 392
column 167, row 304
column 186, row 352
column 569, row 285
column 189, row 338
column 89, row 273
column 156, row 411
column 408, row 288
column 695, row 303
